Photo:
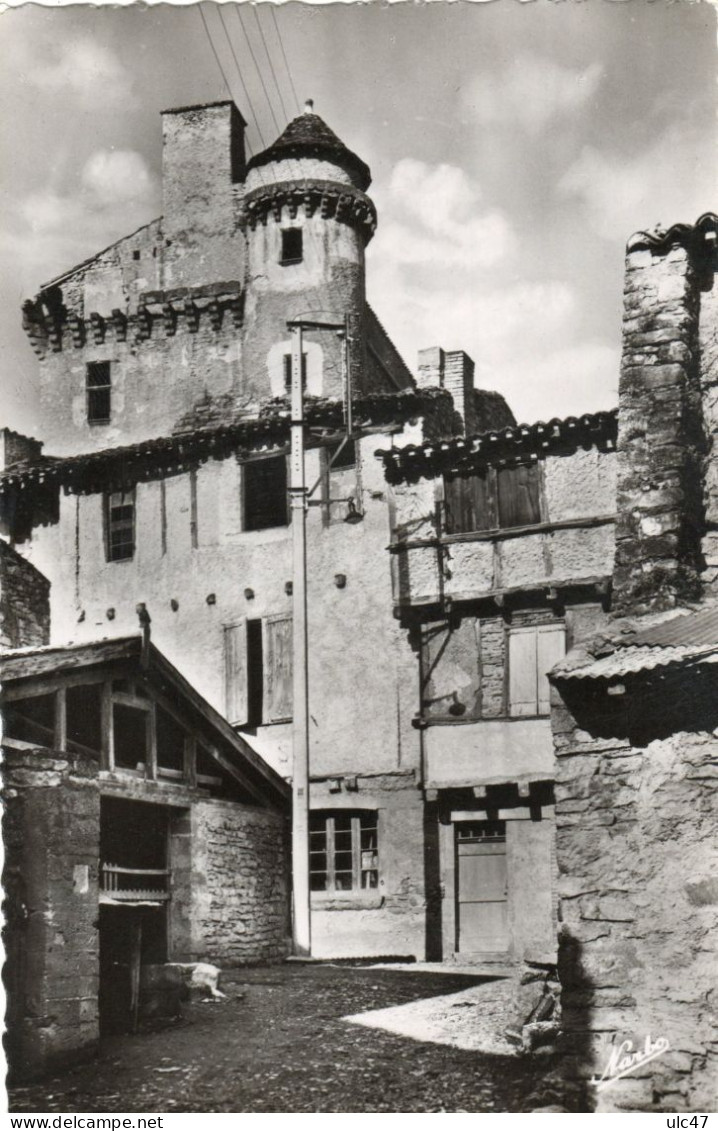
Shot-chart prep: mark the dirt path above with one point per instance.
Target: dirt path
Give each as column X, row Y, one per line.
column 279, row 1043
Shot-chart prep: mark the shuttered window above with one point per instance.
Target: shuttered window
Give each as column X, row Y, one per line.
column 532, row 653
column 265, row 493
column 235, row 672
column 258, row 671
column 467, row 504
column 278, row 669
column 518, row 495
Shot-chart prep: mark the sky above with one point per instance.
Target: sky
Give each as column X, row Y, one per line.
column 514, row 147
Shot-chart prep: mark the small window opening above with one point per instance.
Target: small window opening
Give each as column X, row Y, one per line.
column 170, row 745
column 99, row 392
column 255, row 673
column 120, row 525
column 346, row 457
column 136, row 254
column 292, row 251
column 84, row 719
column 288, row 371
column 31, row 720
column 129, row 727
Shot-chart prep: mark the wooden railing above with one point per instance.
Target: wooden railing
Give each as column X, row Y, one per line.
column 135, row 884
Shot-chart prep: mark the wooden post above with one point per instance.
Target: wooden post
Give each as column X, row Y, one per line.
column 135, row 968
column 60, row 739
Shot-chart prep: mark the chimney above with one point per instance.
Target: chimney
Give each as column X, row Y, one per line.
column 453, row 371
column 202, row 158
column 660, row 432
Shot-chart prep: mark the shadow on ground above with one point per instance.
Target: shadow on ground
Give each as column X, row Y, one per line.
column 279, row 1044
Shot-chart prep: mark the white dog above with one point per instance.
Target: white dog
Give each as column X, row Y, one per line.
column 200, row 976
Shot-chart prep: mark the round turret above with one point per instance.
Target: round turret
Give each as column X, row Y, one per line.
column 307, row 222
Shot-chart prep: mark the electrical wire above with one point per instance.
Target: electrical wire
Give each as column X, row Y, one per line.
column 241, row 78
column 214, row 52
column 269, row 60
column 238, row 13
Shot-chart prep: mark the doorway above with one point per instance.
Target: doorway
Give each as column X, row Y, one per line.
column 481, row 888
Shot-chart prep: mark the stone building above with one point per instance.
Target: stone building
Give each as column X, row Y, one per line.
column 163, row 376
column 139, row 828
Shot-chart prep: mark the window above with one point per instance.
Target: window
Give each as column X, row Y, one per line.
column 292, row 251
column 265, row 493
column 288, row 371
column 130, row 727
column 346, row 457
column 170, row 745
column 258, row 658
column 99, row 387
column 343, row 851
column 532, row 653
column 467, row 505
column 120, row 525
column 496, row 498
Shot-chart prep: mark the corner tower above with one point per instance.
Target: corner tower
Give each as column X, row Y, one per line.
column 308, row 221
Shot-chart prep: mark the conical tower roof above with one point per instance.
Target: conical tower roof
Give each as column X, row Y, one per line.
column 309, row 135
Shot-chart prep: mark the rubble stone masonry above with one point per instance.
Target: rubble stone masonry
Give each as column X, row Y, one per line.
column 24, row 601
column 660, row 440
column 639, row 903
column 51, row 831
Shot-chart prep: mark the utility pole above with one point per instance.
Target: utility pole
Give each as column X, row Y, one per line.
column 299, row 496
column 301, row 917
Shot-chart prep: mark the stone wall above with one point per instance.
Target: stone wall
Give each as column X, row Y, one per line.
column 660, row 441
column 635, row 816
column 51, row 832
column 240, row 884
column 24, row 601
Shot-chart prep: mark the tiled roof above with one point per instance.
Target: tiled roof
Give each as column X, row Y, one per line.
column 433, row 458
column 308, row 134
column 659, row 238
column 211, row 431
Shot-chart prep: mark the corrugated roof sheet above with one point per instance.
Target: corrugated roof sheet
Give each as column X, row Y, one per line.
column 628, row 661
column 692, row 629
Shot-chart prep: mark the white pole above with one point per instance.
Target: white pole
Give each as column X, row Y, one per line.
column 300, row 714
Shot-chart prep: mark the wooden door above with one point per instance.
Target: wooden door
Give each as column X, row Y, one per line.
column 481, row 888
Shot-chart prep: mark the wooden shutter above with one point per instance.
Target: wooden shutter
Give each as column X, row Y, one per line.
column 550, row 648
column 518, row 494
column 466, row 503
column 235, row 672
column 523, row 698
column 278, row 669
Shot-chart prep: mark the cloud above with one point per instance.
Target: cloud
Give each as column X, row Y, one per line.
column 532, row 93
column 444, row 270
column 670, row 179
column 80, row 67
column 52, row 231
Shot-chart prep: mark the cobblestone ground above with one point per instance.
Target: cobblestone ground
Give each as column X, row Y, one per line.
column 278, row 1044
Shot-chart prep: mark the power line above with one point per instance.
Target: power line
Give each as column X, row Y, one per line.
column 284, row 56
column 256, row 66
column 271, row 67
column 214, row 52
column 241, row 78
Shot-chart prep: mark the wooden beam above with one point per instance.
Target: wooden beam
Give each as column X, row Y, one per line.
column 524, row 788
column 107, row 749
column 190, row 759
column 60, row 740
column 152, row 743
column 55, row 661
column 252, row 788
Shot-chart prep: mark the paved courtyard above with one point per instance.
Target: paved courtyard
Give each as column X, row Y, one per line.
column 281, row 1042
